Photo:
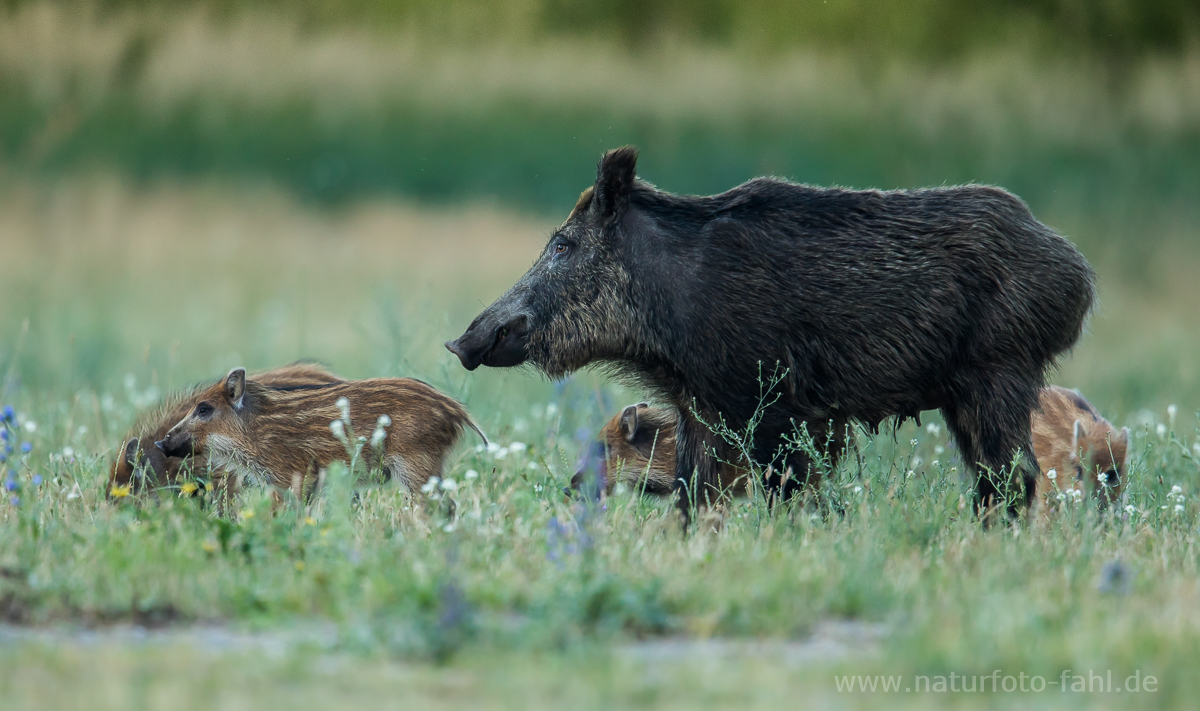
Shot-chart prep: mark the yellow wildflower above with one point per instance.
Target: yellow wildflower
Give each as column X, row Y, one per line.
column 188, row 488
column 247, row 514
column 300, row 565
column 208, row 547
column 310, row 521
column 120, row 492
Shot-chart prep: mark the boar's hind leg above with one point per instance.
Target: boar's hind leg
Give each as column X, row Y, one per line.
column 990, row 423
column 697, row 471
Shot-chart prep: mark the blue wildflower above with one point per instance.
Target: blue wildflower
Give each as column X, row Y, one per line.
column 11, row 485
column 27, row 447
column 9, row 413
column 15, row 501
column 3, row 434
column 37, row 480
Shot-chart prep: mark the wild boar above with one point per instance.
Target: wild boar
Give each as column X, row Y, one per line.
column 283, row 438
column 1082, row 449
column 140, row 464
column 805, row 305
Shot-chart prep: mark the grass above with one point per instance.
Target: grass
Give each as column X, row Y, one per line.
column 518, row 596
column 253, row 192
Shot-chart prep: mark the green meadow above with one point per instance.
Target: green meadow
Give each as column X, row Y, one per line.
column 187, row 190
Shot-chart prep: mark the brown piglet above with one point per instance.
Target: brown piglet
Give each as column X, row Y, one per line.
column 283, row 438
column 140, row 464
column 637, row 448
column 1077, row 450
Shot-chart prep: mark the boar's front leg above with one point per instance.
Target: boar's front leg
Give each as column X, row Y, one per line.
column 697, row 471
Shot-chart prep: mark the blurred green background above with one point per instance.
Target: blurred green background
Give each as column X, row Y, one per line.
column 189, row 184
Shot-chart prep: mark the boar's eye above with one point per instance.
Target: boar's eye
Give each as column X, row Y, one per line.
column 561, row 248
column 204, row 409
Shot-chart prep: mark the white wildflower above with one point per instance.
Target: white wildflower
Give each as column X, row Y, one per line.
column 479, row 448
column 1130, row 509
column 1176, row 489
column 68, row 452
column 30, row 426
column 493, row 447
column 533, row 465
column 910, row 474
column 620, row 488
column 551, row 408
column 471, row 474
column 338, row 428
column 380, row 432
column 430, row 485
column 449, row 485
column 1161, row 429
column 1178, row 509
column 500, row 453
column 343, row 405
column 939, row 449
column 448, row 528
column 858, row 489
column 933, row 429
column 1171, row 410
column 1163, row 507
column 517, row 447
column 913, row 442
column 1052, row 474
column 934, row 463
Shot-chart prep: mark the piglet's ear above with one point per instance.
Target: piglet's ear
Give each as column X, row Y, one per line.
column 235, row 387
column 614, row 180
column 130, row 454
column 629, row 422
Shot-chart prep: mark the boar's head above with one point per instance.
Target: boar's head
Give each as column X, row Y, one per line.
column 573, row 305
column 218, row 413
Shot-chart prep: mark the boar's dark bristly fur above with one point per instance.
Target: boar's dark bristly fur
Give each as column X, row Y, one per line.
column 875, row 303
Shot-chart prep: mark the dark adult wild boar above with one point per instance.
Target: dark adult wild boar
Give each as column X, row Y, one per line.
column 283, row 438
column 140, row 464
column 871, row 304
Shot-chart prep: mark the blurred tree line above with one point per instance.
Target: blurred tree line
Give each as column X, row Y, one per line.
column 931, row 30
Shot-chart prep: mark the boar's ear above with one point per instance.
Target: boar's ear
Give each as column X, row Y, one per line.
column 629, row 422
column 614, row 180
column 235, row 386
column 130, row 454
column 1077, row 433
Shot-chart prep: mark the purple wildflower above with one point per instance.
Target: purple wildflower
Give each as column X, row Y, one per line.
column 27, row 447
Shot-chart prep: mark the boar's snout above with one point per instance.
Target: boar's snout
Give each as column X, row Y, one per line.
column 494, row 342
column 591, row 473
column 175, row 444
